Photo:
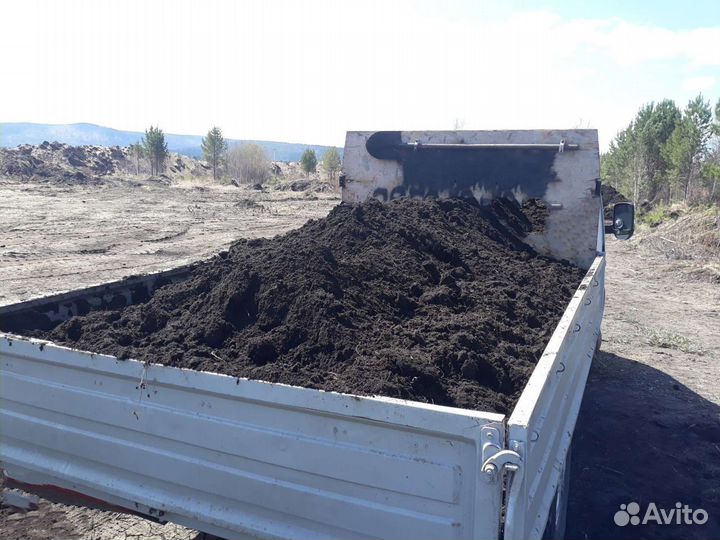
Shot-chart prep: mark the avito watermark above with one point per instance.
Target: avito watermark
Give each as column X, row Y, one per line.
column 681, row 514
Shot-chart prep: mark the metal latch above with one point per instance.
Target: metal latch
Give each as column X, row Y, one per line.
column 497, row 460
column 504, row 460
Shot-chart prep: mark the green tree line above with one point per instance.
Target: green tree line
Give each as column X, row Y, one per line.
column 667, row 154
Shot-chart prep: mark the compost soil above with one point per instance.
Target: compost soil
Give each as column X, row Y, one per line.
column 436, row 301
column 610, row 197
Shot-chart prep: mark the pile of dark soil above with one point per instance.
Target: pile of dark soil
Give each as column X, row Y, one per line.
column 311, row 186
column 431, row 300
column 610, row 196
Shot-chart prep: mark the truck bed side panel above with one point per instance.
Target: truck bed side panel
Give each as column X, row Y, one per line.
column 541, row 426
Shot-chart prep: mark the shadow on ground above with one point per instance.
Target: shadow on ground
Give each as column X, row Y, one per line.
column 642, row 436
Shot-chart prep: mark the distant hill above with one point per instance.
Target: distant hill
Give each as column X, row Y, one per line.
column 16, row 133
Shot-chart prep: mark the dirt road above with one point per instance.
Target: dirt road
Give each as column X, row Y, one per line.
column 649, row 429
column 55, row 237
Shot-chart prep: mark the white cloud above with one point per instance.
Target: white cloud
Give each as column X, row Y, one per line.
column 632, row 44
column 699, row 84
column 309, row 71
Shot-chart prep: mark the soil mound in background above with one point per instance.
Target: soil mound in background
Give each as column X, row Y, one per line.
column 610, row 196
column 85, row 165
column 437, row 301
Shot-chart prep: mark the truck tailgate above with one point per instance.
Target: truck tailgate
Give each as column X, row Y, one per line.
column 230, row 456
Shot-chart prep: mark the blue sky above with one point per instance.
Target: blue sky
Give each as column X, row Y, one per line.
column 308, row 71
column 670, row 14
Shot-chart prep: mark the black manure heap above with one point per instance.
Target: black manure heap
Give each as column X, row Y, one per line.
column 438, row 301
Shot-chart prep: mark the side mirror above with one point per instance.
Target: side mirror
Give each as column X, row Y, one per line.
column 623, row 223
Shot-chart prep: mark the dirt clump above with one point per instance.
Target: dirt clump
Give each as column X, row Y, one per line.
column 436, row 301
column 611, row 196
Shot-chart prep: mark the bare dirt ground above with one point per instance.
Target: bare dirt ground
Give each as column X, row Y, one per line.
column 55, row 237
column 649, row 429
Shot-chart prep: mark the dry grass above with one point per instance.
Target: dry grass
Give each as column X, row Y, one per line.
column 665, row 339
column 687, row 234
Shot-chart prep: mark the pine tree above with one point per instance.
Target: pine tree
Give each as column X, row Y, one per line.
column 688, row 143
column 635, row 162
column 155, row 149
column 308, row 162
column 214, row 147
column 331, row 163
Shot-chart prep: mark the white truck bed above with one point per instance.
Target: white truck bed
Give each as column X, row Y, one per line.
column 237, row 457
